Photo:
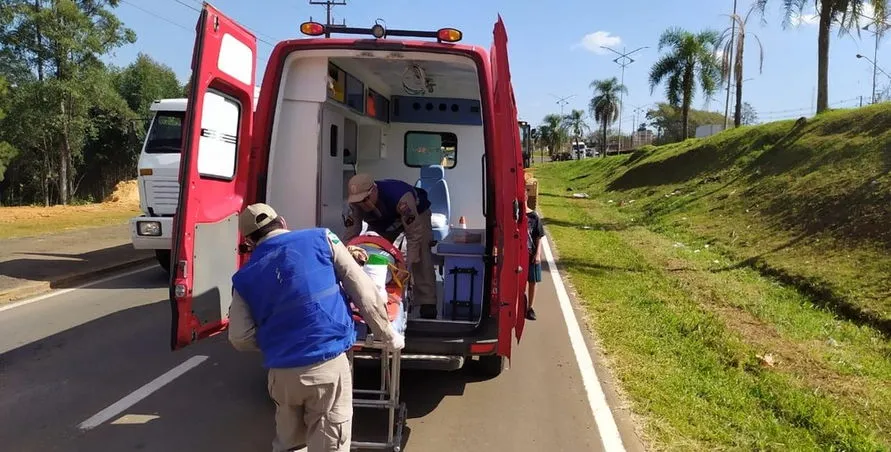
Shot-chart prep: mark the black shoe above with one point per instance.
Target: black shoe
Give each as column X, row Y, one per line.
column 428, row 311
column 530, row 314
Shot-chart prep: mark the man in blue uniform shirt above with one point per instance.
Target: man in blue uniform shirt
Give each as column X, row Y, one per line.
column 290, row 301
column 391, row 207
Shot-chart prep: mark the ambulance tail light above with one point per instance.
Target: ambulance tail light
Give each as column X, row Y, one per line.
column 449, row 35
column 312, row 28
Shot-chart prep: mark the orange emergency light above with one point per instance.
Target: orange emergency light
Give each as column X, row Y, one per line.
column 449, row 35
column 312, row 28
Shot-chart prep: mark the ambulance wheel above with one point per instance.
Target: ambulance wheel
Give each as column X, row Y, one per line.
column 163, row 257
column 490, row 366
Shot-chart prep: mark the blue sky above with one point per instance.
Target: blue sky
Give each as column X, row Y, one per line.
column 553, row 46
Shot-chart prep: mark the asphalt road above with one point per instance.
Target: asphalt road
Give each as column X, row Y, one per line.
column 66, row 358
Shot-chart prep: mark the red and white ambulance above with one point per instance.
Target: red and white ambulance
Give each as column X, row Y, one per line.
column 398, row 104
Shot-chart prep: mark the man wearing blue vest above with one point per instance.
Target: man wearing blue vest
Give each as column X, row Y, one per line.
column 391, row 207
column 290, row 301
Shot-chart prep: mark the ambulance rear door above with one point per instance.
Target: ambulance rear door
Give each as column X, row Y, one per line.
column 507, row 170
column 213, row 175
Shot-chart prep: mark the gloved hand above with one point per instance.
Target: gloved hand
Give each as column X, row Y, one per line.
column 358, row 254
column 398, row 341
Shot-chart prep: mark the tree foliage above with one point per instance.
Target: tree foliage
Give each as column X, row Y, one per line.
column 690, row 61
column 605, row 105
column 845, row 14
column 71, row 129
column 668, row 122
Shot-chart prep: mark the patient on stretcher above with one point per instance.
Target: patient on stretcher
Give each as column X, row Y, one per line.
column 393, row 275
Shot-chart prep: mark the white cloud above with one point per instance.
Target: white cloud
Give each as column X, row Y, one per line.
column 592, row 41
column 807, row 18
column 812, row 18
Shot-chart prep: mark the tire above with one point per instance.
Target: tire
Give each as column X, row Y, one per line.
column 490, row 366
column 163, row 257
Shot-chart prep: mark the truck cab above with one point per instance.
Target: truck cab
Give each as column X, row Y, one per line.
column 157, row 180
column 433, row 113
column 526, row 142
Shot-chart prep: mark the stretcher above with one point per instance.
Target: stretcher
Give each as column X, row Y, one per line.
column 386, row 397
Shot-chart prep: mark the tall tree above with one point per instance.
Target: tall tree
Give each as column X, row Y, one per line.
column 604, row 105
column 553, row 133
column 7, row 151
column 144, row 81
column 575, row 124
column 749, row 115
column 846, row 14
column 733, row 42
column 62, row 41
column 690, row 58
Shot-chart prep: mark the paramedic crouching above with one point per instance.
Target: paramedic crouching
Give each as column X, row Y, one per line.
column 290, row 302
column 390, row 207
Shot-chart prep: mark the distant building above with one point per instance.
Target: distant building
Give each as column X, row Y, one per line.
column 708, row 129
column 642, row 137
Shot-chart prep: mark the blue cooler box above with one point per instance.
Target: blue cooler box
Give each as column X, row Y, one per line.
column 463, row 273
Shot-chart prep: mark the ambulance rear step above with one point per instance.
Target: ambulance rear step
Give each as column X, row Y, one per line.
column 416, row 361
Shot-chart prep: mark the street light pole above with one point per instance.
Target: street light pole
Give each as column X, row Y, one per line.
column 562, row 102
column 623, row 60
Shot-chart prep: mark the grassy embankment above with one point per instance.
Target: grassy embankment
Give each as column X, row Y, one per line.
column 741, row 284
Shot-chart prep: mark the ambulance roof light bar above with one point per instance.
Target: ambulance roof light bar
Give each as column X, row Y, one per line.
column 450, row 35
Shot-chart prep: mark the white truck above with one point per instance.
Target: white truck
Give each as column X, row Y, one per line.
column 158, row 178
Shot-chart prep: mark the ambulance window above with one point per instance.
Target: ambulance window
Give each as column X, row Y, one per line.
column 431, row 148
column 219, row 136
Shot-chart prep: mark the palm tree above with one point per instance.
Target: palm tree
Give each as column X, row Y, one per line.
column 604, row 106
column 845, row 13
column 553, row 133
column 735, row 68
column 575, row 123
column 691, row 58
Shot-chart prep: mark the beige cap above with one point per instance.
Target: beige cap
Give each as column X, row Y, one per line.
column 360, row 186
column 254, row 217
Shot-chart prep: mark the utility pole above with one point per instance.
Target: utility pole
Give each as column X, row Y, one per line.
column 624, row 59
column 730, row 68
column 328, row 5
column 880, row 27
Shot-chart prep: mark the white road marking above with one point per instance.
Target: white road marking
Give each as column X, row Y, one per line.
column 56, row 293
column 603, row 417
column 141, row 393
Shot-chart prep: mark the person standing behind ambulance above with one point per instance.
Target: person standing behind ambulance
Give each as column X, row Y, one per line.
column 390, row 207
column 289, row 301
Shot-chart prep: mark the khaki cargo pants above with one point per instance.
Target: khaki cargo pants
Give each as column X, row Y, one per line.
column 313, row 406
column 418, row 236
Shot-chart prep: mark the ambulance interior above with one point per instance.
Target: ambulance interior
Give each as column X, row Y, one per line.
column 411, row 116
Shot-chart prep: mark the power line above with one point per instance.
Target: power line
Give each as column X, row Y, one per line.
column 189, row 29
column 252, row 31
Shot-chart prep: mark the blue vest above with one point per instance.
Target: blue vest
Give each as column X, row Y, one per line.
column 295, row 299
column 390, row 191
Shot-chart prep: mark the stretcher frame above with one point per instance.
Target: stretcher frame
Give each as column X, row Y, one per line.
column 387, row 397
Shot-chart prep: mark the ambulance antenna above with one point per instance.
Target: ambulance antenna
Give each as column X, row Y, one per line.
column 328, row 5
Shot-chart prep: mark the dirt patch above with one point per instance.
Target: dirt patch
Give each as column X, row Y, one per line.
column 124, row 198
column 125, row 192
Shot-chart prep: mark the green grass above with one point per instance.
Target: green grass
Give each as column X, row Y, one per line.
column 739, row 284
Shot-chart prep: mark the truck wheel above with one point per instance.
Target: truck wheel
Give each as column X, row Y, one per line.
column 490, row 366
column 163, row 257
